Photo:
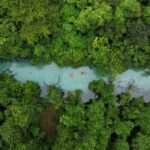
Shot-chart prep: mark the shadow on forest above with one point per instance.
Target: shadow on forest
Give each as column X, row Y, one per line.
column 48, row 120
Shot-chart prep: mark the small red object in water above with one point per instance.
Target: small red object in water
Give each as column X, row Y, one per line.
column 72, row 75
column 83, row 72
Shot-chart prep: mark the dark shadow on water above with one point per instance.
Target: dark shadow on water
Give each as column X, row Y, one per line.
column 39, row 66
column 145, row 73
column 4, row 66
column 136, row 69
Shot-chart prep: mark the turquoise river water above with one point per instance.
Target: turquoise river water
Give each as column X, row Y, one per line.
column 51, row 74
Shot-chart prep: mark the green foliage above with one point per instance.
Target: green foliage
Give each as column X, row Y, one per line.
column 92, row 18
column 71, row 120
column 146, row 14
column 20, row 114
column 102, row 124
column 23, row 24
column 141, row 142
column 130, row 8
column 120, row 145
column 10, row 133
column 104, row 58
column 143, row 120
column 123, row 129
column 31, row 89
column 99, row 124
column 55, row 96
column 110, row 35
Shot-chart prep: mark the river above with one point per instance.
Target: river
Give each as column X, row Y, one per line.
column 134, row 81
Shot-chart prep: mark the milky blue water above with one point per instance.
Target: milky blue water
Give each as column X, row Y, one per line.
column 134, row 81
column 135, row 77
column 51, row 74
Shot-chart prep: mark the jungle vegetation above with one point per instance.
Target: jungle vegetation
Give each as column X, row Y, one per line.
column 110, row 35
column 28, row 122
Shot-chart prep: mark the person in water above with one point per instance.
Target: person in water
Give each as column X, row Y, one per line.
column 83, row 72
column 72, row 75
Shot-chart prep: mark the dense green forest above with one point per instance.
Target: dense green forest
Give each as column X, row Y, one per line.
column 98, row 33
column 31, row 123
column 110, row 35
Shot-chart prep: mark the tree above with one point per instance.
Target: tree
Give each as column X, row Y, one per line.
column 23, row 24
column 141, row 142
column 31, row 89
column 93, row 18
column 120, row 145
column 70, row 125
column 104, row 58
column 55, row 97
